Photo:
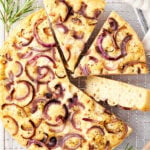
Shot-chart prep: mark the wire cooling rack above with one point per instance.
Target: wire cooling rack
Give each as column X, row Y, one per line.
column 139, row 121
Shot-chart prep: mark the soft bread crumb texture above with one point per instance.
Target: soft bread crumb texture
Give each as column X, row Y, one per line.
column 118, row 93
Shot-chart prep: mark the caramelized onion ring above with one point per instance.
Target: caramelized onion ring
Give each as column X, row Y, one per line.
column 23, row 44
column 59, row 119
column 72, row 135
column 37, row 37
column 69, row 10
column 36, row 142
column 33, row 129
column 113, row 24
column 15, row 122
column 82, row 12
column 98, row 128
column 34, row 104
column 123, row 47
column 24, row 56
column 33, row 61
column 20, row 69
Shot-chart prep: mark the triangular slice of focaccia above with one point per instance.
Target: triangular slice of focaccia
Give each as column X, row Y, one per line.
column 117, row 93
column 39, row 107
column 116, row 50
column 73, row 23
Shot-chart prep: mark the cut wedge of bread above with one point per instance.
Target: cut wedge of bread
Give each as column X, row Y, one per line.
column 73, row 23
column 118, row 93
column 116, row 50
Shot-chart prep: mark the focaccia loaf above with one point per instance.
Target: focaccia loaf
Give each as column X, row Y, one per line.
column 73, row 23
column 116, row 50
column 117, row 93
column 38, row 105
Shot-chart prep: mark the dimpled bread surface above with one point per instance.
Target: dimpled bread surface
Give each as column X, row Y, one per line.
column 38, row 106
column 118, row 36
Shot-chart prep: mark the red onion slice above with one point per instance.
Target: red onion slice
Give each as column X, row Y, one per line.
column 45, row 138
column 41, row 55
column 107, row 147
column 20, row 69
column 116, row 126
column 59, row 91
column 28, row 90
column 75, row 102
column 82, row 12
column 8, row 57
column 91, row 147
column 113, row 24
column 69, row 10
column 60, row 76
column 133, row 63
column 74, row 122
column 101, row 131
column 40, row 77
column 123, row 47
column 94, row 59
column 37, row 37
column 23, row 44
column 85, row 70
column 78, row 35
column 11, row 76
column 58, row 129
column 69, row 136
column 62, row 28
column 24, row 56
column 69, row 54
column 40, row 49
column 10, row 82
column 28, row 130
column 36, row 142
column 28, row 97
column 35, row 103
column 60, row 119
column 15, row 122
column 10, row 96
column 15, row 105
column 90, row 120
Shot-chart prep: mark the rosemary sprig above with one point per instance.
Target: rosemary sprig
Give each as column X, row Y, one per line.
column 13, row 11
column 129, row 147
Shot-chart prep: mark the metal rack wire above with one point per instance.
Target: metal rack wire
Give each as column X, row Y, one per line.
column 139, row 121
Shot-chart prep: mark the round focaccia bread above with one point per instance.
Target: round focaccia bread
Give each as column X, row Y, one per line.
column 116, row 50
column 38, row 105
column 73, row 23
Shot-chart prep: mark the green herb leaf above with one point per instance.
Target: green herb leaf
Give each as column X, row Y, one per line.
column 129, row 147
column 13, row 11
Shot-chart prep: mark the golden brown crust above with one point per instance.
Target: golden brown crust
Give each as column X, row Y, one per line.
column 133, row 62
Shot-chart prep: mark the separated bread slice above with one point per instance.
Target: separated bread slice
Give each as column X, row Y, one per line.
column 116, row 50
column 73, row 23
column 118, row 93
column 39, row 107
